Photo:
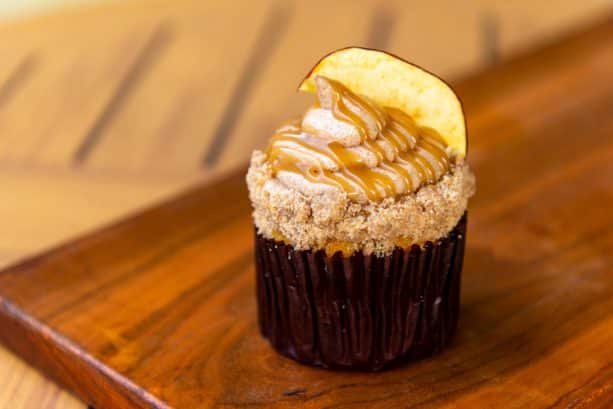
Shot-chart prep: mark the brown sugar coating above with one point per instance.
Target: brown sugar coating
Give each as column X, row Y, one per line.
column 319, row 216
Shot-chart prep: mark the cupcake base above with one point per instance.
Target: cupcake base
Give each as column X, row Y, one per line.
column 359, row 312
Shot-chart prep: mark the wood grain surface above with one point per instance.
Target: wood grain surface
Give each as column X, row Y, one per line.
column 158, row 310
column 132, row 73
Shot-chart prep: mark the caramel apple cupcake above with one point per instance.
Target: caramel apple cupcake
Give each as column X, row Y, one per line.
column 360, row 216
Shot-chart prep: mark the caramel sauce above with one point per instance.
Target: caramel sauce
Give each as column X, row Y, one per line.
column 278, row 236
column 403, row 242
column 347, row 249
column 419, row 154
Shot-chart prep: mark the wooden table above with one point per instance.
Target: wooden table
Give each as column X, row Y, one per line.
column 524, row 100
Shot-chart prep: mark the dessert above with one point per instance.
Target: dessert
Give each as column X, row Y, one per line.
column 360, row 216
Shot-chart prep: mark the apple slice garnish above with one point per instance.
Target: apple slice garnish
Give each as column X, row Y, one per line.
column 393, row 82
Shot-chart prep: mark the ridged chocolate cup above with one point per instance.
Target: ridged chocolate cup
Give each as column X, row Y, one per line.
column 360, row 312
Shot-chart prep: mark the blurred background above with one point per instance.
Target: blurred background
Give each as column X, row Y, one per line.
column 107, row 107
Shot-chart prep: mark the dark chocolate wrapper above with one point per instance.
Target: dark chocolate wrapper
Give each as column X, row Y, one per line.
column 360, row 312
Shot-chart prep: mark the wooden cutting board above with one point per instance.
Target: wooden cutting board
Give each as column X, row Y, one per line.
column 159, row 310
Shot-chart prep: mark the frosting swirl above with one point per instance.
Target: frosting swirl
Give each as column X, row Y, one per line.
column 348, row 141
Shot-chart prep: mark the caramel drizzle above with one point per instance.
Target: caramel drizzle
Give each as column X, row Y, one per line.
column 420, row 155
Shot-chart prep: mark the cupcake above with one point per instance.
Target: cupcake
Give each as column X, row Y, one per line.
column 359, row 209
